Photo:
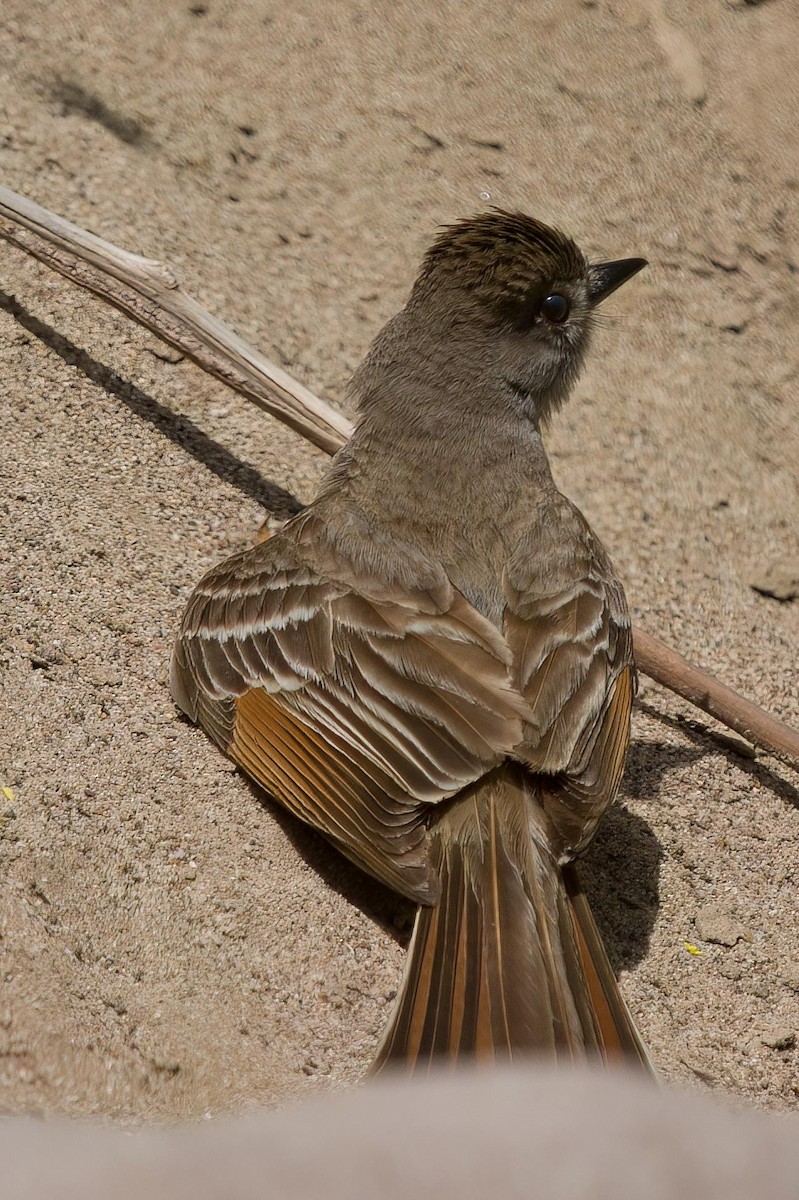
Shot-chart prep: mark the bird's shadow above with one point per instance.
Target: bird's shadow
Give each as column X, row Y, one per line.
column 621, row 869
column 392, row 912
column 178, row 429
column 620, row 872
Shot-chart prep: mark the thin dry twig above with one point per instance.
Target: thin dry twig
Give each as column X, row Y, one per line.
column 657, row 660
column 149, row 293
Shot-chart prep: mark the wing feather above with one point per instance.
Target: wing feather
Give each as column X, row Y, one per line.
column 356, row 704
column 567, row 625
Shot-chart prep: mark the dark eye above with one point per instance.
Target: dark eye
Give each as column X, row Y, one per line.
column 555, row 308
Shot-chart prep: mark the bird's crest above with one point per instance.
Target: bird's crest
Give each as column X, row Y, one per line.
column 512, row 242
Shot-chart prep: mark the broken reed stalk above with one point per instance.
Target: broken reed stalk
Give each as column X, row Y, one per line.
column 657, row 660
column 149, row 293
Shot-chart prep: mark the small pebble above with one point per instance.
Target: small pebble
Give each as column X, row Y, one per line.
column 713, row 924
column 721, row 252
column 779, row 1039
column 780, row 582
column 732, row 315
column 105, row 676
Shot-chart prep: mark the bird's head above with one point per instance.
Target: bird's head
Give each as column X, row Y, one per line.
column 519, row 296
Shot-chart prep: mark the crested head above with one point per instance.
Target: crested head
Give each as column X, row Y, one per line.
column 516, row 292
column 502, row 308
column 502, row 254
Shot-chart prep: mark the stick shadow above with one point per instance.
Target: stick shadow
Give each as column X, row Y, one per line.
column 178, row 429
column 710, row 744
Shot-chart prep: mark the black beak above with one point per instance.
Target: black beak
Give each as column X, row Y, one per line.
column 604, row 278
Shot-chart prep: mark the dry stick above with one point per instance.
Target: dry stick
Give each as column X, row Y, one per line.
column 149, row 293
column 666, row 666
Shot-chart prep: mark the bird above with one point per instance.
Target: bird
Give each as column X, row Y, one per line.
column 431, row 663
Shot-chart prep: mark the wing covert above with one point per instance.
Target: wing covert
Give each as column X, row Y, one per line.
column 356, row 710
column 568, row 629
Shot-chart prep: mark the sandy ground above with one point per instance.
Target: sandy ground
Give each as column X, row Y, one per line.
column 170, row 944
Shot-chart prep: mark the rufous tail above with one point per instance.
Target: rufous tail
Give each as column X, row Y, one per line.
column 509, row 962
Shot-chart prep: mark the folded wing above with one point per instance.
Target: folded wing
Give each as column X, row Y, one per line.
column 356, row 708
column 568, row 629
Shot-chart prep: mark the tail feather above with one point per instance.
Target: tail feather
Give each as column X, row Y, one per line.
column 509, row 962
column 617, row 1036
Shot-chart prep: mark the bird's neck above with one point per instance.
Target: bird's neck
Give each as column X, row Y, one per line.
column 461, row 488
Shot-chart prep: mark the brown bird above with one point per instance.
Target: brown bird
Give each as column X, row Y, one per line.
column 432, row 663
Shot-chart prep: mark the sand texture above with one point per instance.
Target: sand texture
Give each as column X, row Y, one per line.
column 171, row 944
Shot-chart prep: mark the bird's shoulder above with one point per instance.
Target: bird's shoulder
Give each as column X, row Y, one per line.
column 556, row 550
column 333, row 570
column 323, row 553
